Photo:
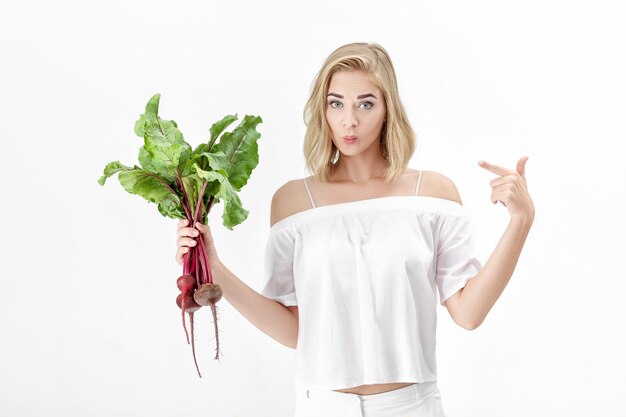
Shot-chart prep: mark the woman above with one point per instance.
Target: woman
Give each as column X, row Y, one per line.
column 366, row 244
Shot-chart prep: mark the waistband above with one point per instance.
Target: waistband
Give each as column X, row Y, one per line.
column 413, row 391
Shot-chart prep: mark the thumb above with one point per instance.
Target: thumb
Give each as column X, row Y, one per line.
column 521, row 166
column 201, row 227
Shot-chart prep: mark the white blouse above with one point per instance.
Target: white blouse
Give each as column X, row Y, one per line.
column 363, row 274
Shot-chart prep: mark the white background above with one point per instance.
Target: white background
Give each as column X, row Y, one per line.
column 88, row 323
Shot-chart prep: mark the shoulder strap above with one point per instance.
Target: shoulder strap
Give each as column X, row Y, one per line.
column 419, row 178
column 309, row 192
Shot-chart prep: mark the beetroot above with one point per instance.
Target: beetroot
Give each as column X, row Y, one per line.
column 186, row 284
column 208, row 294
column 191, row 305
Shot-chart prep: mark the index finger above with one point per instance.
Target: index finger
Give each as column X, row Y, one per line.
column 496, row 169
column 187, row 231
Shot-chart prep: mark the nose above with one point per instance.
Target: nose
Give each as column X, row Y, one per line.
column 350, row 123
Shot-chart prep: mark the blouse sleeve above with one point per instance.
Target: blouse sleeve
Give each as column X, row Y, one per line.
column 457, row 262
column 278, row 282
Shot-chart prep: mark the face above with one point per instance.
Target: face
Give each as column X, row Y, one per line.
column 355, row 107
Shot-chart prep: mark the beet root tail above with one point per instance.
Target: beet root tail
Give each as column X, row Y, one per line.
column 182, row 309
column 193, row 345
column 217, row 335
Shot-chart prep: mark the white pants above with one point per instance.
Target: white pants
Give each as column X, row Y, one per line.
column 416, row 400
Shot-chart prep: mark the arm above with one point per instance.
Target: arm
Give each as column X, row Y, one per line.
column 469, row 306
column 269, row 316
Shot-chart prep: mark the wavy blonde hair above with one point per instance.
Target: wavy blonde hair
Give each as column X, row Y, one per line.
column 397, row 136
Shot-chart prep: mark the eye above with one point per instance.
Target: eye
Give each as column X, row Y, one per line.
column 334, row 104
column 368, row 105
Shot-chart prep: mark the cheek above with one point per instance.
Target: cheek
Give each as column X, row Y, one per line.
column 332, row 119
column 375, row 123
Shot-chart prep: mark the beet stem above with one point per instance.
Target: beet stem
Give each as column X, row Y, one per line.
column 205, row 261
column 199, row 271
column 200, row 198
column 186, row 202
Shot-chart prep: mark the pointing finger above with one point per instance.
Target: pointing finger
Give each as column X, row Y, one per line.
column 495, row 168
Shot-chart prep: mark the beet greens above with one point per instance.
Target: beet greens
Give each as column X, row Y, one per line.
column 185, row 184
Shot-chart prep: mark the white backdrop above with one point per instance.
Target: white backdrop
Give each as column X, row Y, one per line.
column 88, row 323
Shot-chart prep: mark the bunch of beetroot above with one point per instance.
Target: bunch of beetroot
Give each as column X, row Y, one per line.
column 185, row 184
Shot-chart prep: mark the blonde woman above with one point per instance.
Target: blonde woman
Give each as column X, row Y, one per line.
column 364, row 245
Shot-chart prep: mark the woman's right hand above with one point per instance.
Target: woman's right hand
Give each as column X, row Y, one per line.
column 187, row 239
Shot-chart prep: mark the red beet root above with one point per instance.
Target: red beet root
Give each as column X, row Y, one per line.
column 208, row 294
column 190, row 304
column 186, row 284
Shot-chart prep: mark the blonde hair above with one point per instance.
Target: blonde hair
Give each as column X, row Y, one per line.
column 397, row 136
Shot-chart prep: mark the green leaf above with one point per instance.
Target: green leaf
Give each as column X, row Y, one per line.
column 164, row 146
column 218, row 127
column 195, row 157
column 170, row 207
column 110, row 169
column 210, row 175
column 192, row 188
column 241, row 151
column 166, row 159
column 233, row 213
column 147, row 185
column 217, row 161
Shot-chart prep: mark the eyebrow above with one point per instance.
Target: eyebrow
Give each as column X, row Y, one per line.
column 358, row 97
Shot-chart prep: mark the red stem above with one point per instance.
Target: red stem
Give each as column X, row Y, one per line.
column 204, row 260
column 200, row 198
column 185, row 203
column 198, row 275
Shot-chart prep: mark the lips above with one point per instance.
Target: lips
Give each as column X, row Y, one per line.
column 350, row 137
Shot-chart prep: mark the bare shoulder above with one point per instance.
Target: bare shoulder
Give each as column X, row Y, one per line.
column 435, row 184
column 283, row 206
column 287, row 200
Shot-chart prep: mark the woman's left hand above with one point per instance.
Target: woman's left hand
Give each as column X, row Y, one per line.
column 510, row 189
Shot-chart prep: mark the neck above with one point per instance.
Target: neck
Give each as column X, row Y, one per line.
column 357, row 170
